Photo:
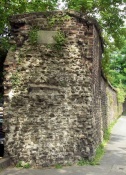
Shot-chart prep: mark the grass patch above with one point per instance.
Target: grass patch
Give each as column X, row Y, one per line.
column 58, row 166
column 101, row 148
column 107, row 132
column 22, row 164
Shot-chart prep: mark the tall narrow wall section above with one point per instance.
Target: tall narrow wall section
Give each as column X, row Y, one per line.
column 55, row 96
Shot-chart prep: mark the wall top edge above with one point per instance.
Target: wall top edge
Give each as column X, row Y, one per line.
column 23, row 18
column 107, row 81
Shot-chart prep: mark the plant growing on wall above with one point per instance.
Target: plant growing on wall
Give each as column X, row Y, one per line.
column 121, row 94
column 33, row 36
column 15, row 80
column 22, row 164
column 60, row 40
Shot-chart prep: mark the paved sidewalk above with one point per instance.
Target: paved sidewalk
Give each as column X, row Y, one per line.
column 113, row 162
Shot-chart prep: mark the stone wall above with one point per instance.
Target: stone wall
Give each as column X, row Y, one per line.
column 124, row 106
column 96, row 75
column 55, row 100
column 110, row 108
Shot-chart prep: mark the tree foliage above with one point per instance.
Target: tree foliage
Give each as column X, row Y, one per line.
column 116, row 71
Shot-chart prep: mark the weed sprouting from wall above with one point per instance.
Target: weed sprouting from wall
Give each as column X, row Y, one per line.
column 60, row 40
column 33, row 36
column 15, row 79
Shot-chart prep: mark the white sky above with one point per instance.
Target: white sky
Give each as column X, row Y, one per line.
column 61, row 4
